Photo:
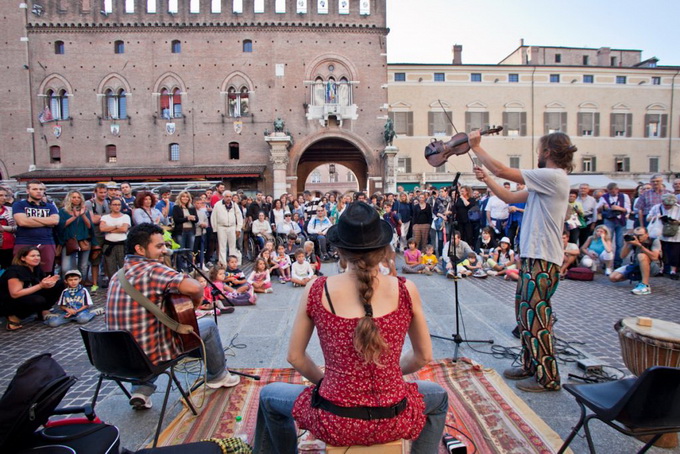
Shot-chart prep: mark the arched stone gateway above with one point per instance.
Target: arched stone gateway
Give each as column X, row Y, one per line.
column 335, row 150
column 292, row 163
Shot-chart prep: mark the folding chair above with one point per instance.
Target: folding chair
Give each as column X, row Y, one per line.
column 647, row 405
column 118, row 357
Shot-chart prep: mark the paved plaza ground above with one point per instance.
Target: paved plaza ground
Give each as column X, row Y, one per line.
column 587, row 312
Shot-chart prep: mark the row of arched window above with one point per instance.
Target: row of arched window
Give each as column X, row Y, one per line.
column 115, row 103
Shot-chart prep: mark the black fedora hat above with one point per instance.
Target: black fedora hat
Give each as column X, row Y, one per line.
column 360, row 228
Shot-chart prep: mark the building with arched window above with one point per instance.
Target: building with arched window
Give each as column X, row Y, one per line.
column 138, row 81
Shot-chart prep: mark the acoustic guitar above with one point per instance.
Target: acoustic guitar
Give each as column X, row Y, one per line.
column 181, row 309
column 438, row 152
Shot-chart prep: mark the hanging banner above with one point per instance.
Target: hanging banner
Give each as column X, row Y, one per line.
column 238, row 126
column 365, row 7
column 322, row 7
column 343, row 6
column 57, row 131
column 45, row 115
column 115, row 129
column 170, row 128
column 302, row 6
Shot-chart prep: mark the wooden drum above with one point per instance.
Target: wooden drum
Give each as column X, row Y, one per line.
column 645, row 346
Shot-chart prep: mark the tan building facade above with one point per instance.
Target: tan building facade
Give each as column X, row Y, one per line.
column 623, row 119
column 191, row 89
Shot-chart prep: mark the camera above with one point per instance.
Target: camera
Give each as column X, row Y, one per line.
column 628, row 237
column 453, row 445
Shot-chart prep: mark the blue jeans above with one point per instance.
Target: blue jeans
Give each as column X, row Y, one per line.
column 215, row 363
column 185, row 241
column 275, row 432
column 81, row 317
column 68, row 262
column 617, row 230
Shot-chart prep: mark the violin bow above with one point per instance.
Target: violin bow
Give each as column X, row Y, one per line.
column 447, row 115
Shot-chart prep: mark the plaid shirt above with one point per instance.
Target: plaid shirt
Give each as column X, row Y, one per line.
column 648, row 199
column 153, row 280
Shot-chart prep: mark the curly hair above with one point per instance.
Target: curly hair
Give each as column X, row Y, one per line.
column 558, row 149
column 139, row 200
column 368, row 342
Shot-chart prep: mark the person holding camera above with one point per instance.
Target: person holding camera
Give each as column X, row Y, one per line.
column 644, row 262
column 668, row 212
column 614, row 207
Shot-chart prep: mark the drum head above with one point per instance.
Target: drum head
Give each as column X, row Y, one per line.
column 660, row 329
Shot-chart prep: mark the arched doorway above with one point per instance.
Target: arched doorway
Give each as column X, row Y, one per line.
column 332, row 177
column 332, row 150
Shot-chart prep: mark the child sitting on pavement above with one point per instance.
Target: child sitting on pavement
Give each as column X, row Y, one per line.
column 413, row 259
column 429, row 259
column 259, row 278
column 471, row 265
column 503, row 259
column 236, row 284
column 301, row 270
column 74, row 303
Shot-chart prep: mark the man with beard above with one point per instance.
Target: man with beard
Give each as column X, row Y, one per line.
column 546, row 197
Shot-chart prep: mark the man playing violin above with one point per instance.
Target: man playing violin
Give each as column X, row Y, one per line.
column 546, row 196
column 145, row 248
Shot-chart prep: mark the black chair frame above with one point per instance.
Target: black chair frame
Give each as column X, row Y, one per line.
column 624, row 412
column 118, row 357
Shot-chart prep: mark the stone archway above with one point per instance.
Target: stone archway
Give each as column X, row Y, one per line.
column 335, row 150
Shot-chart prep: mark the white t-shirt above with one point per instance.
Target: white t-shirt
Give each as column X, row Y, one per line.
column 116, row 222
column 497, row 208
column 543, row 221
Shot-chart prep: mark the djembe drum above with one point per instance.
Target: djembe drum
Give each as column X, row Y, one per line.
column 645, row 346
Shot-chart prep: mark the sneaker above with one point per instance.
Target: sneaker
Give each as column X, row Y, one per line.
column 227, row 310
column 492, row 273
column 451, row 275
column 140, row 402
column 674, row 276
column 427, row 271
column 479, row 274
column 642, row 289
column 608, row 271
column 438, row 271
column 516, row 373
column 270, row 290
column 282, row 281
column 94, row 288
column 228, row 381
column 532, row 386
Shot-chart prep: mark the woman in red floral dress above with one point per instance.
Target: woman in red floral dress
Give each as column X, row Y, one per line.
column 362, row 318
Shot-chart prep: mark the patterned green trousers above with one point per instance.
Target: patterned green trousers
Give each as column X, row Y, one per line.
column 537, row 283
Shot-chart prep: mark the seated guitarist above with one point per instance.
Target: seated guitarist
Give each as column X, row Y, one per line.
column 144, row 248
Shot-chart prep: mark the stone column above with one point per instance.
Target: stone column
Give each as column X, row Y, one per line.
column 389, row 155
column 279, row 143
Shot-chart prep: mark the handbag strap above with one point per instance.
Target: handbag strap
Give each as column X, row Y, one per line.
column 144, row 301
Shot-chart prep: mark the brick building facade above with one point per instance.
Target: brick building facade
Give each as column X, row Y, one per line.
column 184, row 89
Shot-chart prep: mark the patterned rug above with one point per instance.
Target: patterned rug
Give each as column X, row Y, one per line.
column 482, row 408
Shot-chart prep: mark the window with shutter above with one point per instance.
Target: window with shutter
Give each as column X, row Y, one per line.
column 621, row 124
column 476, row 120
column 653, row 164
column 234, row 150
column 514, row 124
column 174, row 152
column 111, row 154
column 555, row 122
column 55, row 154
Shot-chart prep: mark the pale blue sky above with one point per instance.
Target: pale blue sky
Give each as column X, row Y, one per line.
column 424, row 31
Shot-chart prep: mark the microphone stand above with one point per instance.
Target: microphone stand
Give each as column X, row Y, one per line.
column 216, row 293
column 456, row 337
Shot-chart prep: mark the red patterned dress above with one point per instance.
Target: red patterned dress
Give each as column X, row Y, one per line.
column 349, row 381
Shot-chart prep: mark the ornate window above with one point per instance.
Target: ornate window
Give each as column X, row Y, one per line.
column 238, row 102
column 171, row 103
column 316, row 177
column 115, row 106
column 57, row 103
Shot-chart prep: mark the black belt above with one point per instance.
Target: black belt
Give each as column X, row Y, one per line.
column 357, row 412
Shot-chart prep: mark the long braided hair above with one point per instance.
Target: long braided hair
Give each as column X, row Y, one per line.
column 368, row 342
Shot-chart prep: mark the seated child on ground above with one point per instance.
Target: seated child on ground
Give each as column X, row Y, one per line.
column 259, row 278
column 74, row 303
column 236, row 284
column 214, row 300
column 470, row 265
column 311, row 257
column 283, row 262
column 301, row 270
column 413, row 258
column 503, row 258
column 429, row 259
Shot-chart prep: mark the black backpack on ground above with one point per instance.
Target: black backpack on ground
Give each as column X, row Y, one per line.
column 32, row 397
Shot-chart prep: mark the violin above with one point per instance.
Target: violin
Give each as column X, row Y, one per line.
column 438, row 152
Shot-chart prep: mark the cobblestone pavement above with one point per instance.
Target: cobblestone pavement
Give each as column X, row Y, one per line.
column 587, row 311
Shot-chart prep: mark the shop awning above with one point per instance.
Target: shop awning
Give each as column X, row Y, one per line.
column 74, row 175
